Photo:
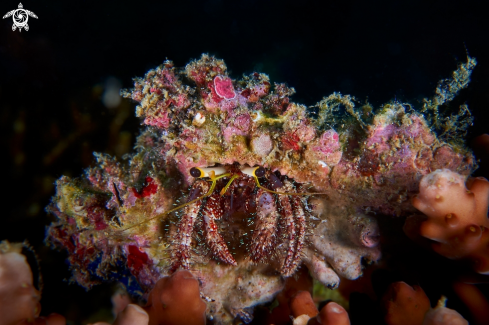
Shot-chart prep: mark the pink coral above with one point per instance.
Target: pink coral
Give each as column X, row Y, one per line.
column 325, row 150
column 398, row 150
column 456, row 216
column 224, row 87
column 19, row 299
column 406, row 305
column 262, row 145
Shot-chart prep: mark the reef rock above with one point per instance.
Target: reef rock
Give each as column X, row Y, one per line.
column 233, row 181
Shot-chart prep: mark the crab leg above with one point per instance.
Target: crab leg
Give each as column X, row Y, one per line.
column 183, row 240
column 264, row 236
column 290, row 227
column 300, row 225
column 211, row 211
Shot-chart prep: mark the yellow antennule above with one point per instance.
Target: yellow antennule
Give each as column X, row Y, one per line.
column 228, row 184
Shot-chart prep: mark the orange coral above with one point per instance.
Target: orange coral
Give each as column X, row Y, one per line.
column 405, row 305
column 305, row 312
column 475, row 301
column 456, row 216
column 410, row 306
column 176, row 300
column 302, row 304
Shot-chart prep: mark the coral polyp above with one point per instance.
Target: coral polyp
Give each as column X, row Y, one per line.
column 222, row 183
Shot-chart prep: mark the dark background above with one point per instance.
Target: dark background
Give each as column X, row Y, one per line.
column 52, row 79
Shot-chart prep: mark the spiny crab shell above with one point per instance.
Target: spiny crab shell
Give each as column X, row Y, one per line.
column 114, row 224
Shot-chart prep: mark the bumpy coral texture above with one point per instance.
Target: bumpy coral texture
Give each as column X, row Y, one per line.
column 339, row 243
column 305, row 312
column 457, row 216
column 176, row 300
column 114, row 220
column 19, row 299
column 406, row 305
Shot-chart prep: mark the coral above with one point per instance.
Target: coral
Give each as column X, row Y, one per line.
column 305, row 312
column 235, row 182
column 410, row 305
column 132, row 315
column 333, row 314
column 176, row 300
column 279, row 312
column 404, row 304
column 19, row 299
column 475, row 301
column 456, row 213
column 440, row 315
column 340, row 242
column 302, row 304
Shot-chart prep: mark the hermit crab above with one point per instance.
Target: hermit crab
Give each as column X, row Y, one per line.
column 280, row 214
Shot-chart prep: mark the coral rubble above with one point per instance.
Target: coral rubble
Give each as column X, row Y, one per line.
column 223, row 183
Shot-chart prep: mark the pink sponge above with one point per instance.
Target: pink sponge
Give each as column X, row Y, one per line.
column 457, row 216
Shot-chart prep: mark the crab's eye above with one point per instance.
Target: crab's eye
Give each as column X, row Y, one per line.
column 196, row 172
column 260, row 172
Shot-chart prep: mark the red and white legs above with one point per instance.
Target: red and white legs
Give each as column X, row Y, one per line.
column 180, row 256
column 280, row 222
column 289, row 228
column 211, row 212
column 300, row 230
column 271, row 207
column 265, row 234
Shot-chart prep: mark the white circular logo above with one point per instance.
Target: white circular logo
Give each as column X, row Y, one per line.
column 20, row 17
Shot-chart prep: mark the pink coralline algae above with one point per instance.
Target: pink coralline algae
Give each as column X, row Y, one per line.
column 224, row 87
column 236, row 183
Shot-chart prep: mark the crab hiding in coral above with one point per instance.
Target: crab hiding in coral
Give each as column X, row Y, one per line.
column 220, row 184
column 280, row 216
